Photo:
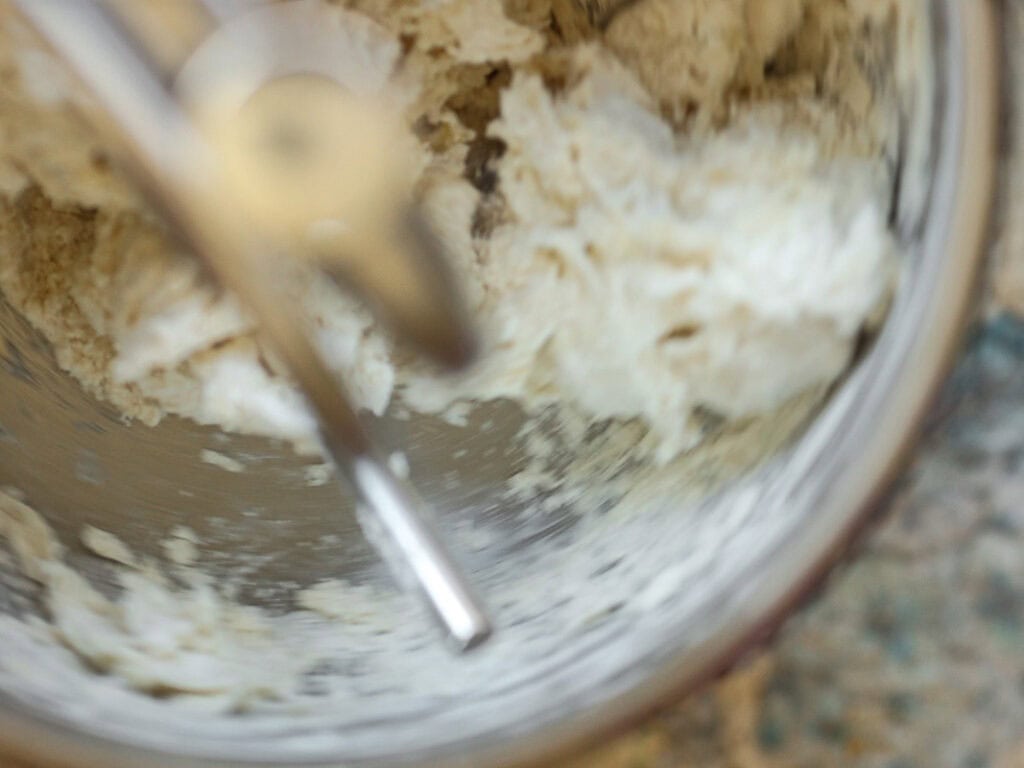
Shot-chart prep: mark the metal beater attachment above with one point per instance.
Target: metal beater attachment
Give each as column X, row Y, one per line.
column 227, row 190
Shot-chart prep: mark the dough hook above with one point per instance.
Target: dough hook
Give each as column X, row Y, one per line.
column 123, row 54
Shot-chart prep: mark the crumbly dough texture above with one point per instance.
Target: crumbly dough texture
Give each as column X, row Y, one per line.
column 683, row 212
column 160, row 638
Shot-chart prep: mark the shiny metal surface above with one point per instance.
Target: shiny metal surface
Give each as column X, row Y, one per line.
column 389, row 524
column 606, row 611
column 187, row 176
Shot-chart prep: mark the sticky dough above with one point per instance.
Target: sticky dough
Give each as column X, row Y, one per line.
column 683, row 213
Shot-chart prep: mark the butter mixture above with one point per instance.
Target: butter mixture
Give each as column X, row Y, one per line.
column 682, row 213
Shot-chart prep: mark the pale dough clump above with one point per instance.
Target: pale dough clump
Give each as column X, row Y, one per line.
column 641, row 274
column 159, row 638
column 683, row 212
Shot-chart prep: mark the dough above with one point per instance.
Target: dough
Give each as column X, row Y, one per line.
column 685, row 212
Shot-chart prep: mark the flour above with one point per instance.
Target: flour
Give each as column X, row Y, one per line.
column 650, row 277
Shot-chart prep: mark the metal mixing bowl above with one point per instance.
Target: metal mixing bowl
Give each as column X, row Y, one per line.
column 605, row 608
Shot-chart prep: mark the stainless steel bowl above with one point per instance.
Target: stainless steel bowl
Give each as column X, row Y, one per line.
column 606, row 608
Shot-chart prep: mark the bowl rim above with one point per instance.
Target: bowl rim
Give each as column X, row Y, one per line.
column 960, row 207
